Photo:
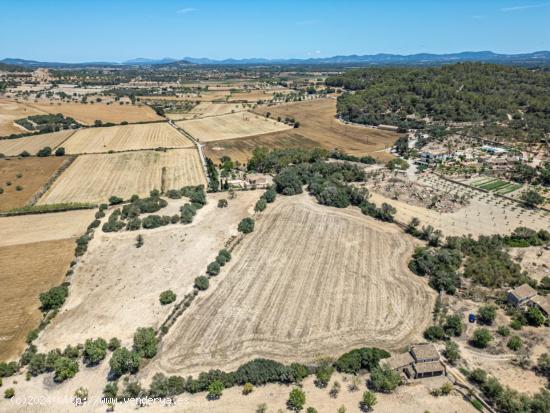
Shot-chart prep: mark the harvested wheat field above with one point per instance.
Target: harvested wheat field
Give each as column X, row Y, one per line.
column 116, row 286
column 11, row 111
column 231, row 126
column 126, row 138
column 318, row 122
column 241, row 149
column 205, row 109
column 44, row 227
column 254, row 96
column 21, row 178
column 94, row 178
column 32, row 144
column 27, row 271
column 310, row 281
column 87, row 114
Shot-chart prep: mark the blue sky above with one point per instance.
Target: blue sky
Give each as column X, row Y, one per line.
column 115, row 30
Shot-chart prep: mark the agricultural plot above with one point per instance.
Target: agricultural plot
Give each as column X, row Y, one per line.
column 231, row 126
column 116, row 287
column 318, row 122
column 44, row 227
column 205, row 109
column 241, row 149
column 496, row 185
column 21, row 178
column 254, row 96
column 310, row 281
column 87, row 114
column 126, row 138
column 94, row 178
column 27, row 271
column 11, row 111
column 32, row 144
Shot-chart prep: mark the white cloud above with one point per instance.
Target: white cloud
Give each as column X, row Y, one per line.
column 186, row 10
column 306, row 22
column 524, row 7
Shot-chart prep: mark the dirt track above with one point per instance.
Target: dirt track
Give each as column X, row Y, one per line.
column 310, row 281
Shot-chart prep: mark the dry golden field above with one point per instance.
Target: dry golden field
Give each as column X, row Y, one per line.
column 318, row 122
column 254, row 96
column 94, row 178
column 11, row 110
column 240, row 149
column 88, row 113
column 25, row 229
column 32, row 144
column 310, row 281
column 27, row 271
column 126, row 138
column 231, row 126
column 205, row 109
column 33, row 172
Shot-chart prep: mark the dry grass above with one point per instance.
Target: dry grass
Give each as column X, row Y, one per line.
column 94, row 178
column 318, row 122
column 27, row 271
column 231, row 126
column 87, row 114
column 254, row 96
column 205, row 109
column 26, row 229
column 10, row 111
column 34, row 172
column 32, row 144
column 126, row 138
column 310, row 281
column 241, row 149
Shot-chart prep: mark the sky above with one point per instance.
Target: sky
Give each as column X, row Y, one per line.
column 116, row 30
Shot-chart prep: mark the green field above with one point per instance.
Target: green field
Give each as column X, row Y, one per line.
column 496, row 185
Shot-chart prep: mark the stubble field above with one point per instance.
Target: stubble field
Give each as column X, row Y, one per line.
column 29, row 174
column 32, row 144
column 204, row 109
column 10, row 111
column 126, row 138
column 231, row 126
column 27, row 271
column 94, row 178
column 308, row 282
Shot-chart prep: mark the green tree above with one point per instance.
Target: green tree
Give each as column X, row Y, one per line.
column 532, row 198
column 213, row 268
column 454, row 325
column 54, row 297
column 60, row 151
column 481, row 338
column 201, row 283
column 368, row 401
column 94, row 351
column 114, row 343
column 514, row 343
column 145, row 342
column 534, row 317
column 124, row 361
column 246, row 226
column 487, row 314
column 452, row 352
column 296, row 399
column 65, row 368
column 384, row 379
column 167, row 297
column 434, row 333
column 215, row 390
column 222, row 203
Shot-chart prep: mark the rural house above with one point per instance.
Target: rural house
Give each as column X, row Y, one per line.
column 521, row 295
column 542, row 303
column 421, row 361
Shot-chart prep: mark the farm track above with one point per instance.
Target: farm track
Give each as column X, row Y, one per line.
column 310, row 281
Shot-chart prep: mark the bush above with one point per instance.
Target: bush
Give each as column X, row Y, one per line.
column 114, row 343
column 124, row 361
column 46, row 151
column 534, row 317
column 487, row 314
column 454, row 325
column 65, row 368
column 213, row 268
column 54, row 297
column 357, row 359
column 516, row 324
column 384, row 379
column 503, row 331
column 478, row 376
column 269, row 195
column 434, row 333
column 296, row 400
column 215, row 390
column 167, row 297
column 110, row 391
column 481, row 338
column 60, row 151
column 201, row 283
column 368, row 400
column 9, row 393
column 261, row 205
column 323, row 373
column 452, row 352
column 222, row 203
column 8, row 369
column 94, row 351
column 246, row 226
column 145, row 342
column 225, row 254
column 514, row 343
column 115, row 200
column 248, row 388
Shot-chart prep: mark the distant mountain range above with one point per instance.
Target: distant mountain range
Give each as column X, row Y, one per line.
column 541, row 57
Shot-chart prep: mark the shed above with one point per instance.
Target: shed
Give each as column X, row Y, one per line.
column 424, row 353
column 521, row 295
column 401, row 363
column 430, row 369
column 542, row 303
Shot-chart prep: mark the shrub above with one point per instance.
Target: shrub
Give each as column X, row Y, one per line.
column 134, row 224
column 60, row 151
column 139, row 241
column 173, row 194
column 54, row 297
column 454, row 325
column 115, row 200
column 8, row 369
column 323, row 373
column 46, row 151
column 9, row 393
column 452, row 352
column 478, row 376
column 110, row 391
column 434, row 333
column 362, row 358
column 269, row 195
column 124, row 361
column 261, row 205
column 202, row 283
column 248, row 388
column 534, row 317
column 80, row 395
column 18, row 188
column 296, row 400
column 167, row 297
column 384, row 379
column 114, row 343
column 487, row 314
column 145, row 342
column 246, row 226
column 225, row 254
column 213, row 268
column 24, row 154
column 65, row 368
column 514, row 343
column 222, row 203
column 481, row 338
column 368, row 401
column 516, row 324
column 94, row 351
column 503, row 331
column 215, row 390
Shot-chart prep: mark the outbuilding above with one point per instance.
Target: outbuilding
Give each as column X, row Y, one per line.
column 521, row 295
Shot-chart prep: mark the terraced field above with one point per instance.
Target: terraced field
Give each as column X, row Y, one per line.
column 310, row 281
column 126, row 138
column 94, row 178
